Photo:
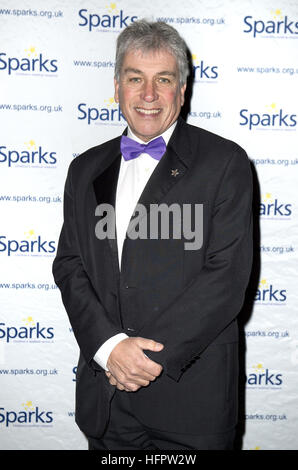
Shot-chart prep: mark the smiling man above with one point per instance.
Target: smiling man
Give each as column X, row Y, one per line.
column 149, row 92
column 156, row 324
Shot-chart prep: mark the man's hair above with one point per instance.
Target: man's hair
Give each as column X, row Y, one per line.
column 152, row 36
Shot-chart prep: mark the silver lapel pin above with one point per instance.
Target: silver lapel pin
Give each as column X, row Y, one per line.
column 174, row 172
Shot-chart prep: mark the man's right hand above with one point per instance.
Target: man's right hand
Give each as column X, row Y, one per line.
column 130, row 367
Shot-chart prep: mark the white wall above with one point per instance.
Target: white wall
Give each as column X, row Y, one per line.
column 245, row 53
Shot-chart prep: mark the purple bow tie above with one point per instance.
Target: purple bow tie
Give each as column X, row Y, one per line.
column 131, row 149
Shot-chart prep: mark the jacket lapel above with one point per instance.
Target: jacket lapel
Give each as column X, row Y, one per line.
column 104, row 186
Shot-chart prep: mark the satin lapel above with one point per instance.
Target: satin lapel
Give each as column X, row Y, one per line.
column 105, row 186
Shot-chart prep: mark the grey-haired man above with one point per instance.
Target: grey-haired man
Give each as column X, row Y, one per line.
column 156, row 323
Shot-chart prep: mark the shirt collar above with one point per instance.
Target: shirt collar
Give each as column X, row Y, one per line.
column 166, row 135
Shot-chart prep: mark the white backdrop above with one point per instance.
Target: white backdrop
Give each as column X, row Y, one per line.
column 56, row 100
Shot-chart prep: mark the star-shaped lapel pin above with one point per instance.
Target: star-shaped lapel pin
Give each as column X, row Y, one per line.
column 174, row 172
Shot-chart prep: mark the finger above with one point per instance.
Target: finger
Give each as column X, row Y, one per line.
column 138, row 375
column 119, row 386
column 152, row 368
column 124, row 382
column 112, row 380
column 142, row 371
column 131, row 387
column 149, row 344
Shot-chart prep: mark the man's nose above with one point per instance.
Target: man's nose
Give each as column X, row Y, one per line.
column 149, row 92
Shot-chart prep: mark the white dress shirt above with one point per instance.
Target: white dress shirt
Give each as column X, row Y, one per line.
column 133, row 177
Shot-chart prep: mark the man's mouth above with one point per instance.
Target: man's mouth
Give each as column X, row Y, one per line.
column 148, row 111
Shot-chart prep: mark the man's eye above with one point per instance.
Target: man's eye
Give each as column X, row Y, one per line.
column 134, row 79
column 164, row 80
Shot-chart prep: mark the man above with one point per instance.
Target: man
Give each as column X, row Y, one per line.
column 156, row 320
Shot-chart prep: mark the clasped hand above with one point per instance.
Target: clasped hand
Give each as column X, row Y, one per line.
column 129, row 368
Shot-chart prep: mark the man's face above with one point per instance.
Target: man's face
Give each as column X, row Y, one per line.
column 149, row 92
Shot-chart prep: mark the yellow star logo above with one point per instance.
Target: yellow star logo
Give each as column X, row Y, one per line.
column 110, row 101
column 28, row 405
column 29, row 321
column 31, row 145
column 259, row 368
column 31, row 51
column 267, row 197
column 271, row 107
column 277, row 14
column 194, row 58
column 112, row 8
column 30, row 234
column 263, row 283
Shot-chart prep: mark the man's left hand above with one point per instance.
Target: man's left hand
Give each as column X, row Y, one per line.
column 114, row 382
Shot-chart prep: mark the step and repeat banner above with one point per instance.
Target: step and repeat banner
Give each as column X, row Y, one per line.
column 56, row 101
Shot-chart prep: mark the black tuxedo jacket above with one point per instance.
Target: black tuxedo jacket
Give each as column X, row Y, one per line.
column 186, row 299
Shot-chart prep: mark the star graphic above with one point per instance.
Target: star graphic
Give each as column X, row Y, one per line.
column 174, row 172
column 194, row 58
column 112, row 8
column 263, row 283
column 271, row 107
column 29, row 320
column 28, row 405
column 31, row 144
column 277, row 14
column 31, row 51
column 267, row 197
column 30, row 234
column 110, row 101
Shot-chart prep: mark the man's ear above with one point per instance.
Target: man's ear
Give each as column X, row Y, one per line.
column 116, row 93
column 182, row 93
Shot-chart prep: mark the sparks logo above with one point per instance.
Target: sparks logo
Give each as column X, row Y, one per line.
column 29, row 332
column 201, row 71
column 272, row 208
column 31, row 244
column 27, row 415
column 32, row 155
column 263, row 378
column 272, row 119
column 279, row 25
column 268, row 294
column 113, row 19
column 33, row 62
column 109, row 113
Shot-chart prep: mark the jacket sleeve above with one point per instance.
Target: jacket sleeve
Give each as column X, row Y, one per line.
column 89, row 320
column 214, row 298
